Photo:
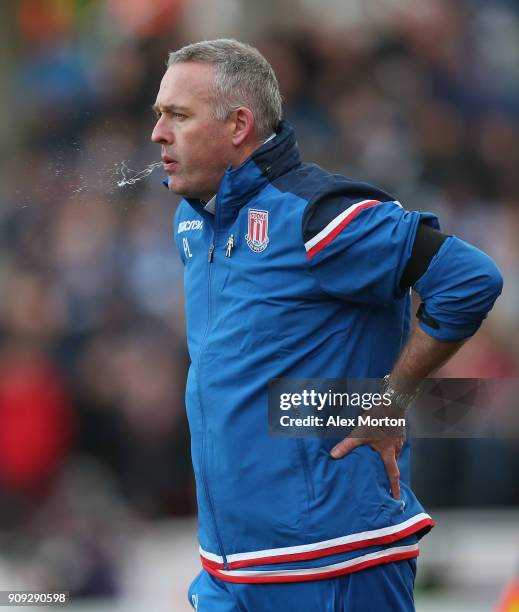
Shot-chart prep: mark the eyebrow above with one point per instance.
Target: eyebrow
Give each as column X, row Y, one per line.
column 156, row 108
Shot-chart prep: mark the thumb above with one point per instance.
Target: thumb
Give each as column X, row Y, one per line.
column 344, row 447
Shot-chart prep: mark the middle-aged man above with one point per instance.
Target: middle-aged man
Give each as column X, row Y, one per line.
column 293, row 272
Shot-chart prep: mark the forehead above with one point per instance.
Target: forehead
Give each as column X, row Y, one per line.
column 186, row 84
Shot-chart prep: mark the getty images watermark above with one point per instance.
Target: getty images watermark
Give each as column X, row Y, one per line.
column 324, row 402
column 439, row 408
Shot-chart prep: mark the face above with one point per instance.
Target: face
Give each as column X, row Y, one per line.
column 196, row 148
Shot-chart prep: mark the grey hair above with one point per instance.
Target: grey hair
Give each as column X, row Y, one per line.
column 242, row 77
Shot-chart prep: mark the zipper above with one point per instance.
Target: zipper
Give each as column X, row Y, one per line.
column 230, row 245
column 202, row 411
column 305, row 462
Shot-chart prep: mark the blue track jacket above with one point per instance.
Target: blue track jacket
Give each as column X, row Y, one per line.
column 297, row 275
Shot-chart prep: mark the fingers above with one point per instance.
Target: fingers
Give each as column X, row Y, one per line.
column 345, row 446
column 398, row 448
column 389, row 455
column 393, row 473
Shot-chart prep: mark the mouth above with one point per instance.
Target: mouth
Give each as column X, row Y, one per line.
column 169, row 163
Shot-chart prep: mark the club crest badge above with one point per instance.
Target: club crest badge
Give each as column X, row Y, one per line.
column 257, row 235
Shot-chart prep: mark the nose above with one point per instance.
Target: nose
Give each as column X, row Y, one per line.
column 161, row 134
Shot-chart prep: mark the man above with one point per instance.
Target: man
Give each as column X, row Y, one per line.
column 293, row 272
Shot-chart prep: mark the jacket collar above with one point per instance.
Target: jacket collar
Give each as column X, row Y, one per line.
column 210, row 207
column 269, row 161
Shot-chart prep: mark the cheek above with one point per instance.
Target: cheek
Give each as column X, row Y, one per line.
column 202, row 150
column 192, row 144
column 206, row 157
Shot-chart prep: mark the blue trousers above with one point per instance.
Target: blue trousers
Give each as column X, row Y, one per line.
column 383, row 588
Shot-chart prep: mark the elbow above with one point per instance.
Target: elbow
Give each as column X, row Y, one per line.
column 491, row 284
column 495, row 281
column 458, row 291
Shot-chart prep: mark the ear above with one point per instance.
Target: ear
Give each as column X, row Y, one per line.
column 244, row 126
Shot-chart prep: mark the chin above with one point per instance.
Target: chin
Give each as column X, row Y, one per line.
column 184, row 190
column 176, row 186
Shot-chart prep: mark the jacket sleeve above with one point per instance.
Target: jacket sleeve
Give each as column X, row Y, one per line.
column 458, row 290
column 358, row 250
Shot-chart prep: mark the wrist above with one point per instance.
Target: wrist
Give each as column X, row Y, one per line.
column 401, row 392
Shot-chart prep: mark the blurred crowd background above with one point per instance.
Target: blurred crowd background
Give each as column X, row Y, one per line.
column 420, row 97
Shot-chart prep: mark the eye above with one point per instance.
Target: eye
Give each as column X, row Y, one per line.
column 179, row 116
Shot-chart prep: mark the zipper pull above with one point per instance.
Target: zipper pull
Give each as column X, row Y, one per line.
column 230, row 245
column 210, row 254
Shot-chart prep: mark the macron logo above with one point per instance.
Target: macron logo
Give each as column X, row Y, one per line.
column 186, row 226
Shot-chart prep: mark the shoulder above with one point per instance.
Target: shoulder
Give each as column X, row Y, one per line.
column 310, row 182
column 324, row 193
column 331, row 201
column 339, row 202
column 328, row 202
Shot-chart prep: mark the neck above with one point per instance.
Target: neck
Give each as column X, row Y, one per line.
column 244, row 153
column 246, row 150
